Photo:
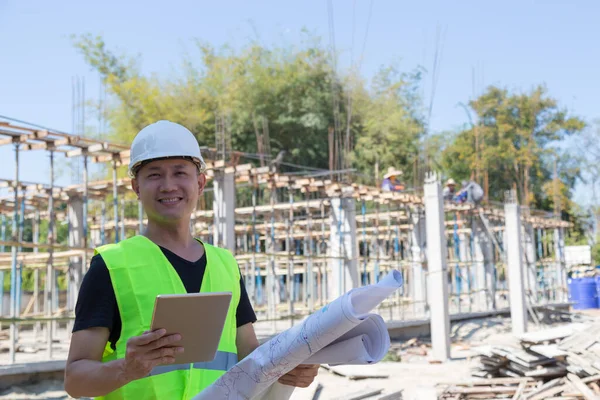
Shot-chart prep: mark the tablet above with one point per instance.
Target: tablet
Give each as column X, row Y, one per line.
column 198, row 317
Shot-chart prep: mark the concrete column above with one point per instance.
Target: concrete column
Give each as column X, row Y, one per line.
column 418, row 287
column 438, row 269
column 342, row 243
column 224, row 210
column 514, row 255
column 530, row 260
column 75, row 239
column 484, row 267
column 559, row 257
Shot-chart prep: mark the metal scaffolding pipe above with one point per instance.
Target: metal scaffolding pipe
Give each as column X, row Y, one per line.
column 308, row 251
column 115, row 200
column 122, row 219
column 141, row 219
column 341, row 276
column 49, row 269
column 102, row 223
column 20, row 264
column 36, row 273
column 84, row 265
column 2, row 249
column 13, row 270
column 255, row 245
column 289, row 241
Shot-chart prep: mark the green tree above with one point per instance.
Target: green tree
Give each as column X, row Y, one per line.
column 284, row 92
column 268, row 99
column 388, row 125
column 513, row 144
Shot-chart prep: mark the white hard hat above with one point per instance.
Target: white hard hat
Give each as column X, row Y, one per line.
column 164, row 139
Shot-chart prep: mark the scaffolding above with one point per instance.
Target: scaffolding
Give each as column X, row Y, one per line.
column 299, row 240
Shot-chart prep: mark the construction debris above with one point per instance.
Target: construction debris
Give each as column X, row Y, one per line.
column 555, row 363
column 354, row 372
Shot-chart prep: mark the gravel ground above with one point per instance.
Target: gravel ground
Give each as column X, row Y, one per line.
column 414, row 374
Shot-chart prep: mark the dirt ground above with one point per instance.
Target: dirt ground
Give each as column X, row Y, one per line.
column 408, row 369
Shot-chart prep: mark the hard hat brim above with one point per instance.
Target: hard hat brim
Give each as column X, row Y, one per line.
column 133, row 170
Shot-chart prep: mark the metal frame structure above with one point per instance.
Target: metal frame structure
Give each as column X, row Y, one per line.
column 291, row 236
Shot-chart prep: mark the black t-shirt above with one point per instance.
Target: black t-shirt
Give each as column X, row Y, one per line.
column 97, row 305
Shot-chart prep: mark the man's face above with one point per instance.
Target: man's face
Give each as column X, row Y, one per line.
column 169, row 189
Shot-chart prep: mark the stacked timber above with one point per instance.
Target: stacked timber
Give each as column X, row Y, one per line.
column 557, row 363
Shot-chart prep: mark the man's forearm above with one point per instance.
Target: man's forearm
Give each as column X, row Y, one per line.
column 91, row 378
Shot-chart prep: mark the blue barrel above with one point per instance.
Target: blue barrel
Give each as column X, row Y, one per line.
column 573, row 291
column 584, row 293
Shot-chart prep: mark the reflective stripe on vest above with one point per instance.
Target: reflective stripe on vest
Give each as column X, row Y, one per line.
column 223, row 361
column 139, row 271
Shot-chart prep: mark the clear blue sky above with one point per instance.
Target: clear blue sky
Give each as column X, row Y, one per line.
column 517, row 44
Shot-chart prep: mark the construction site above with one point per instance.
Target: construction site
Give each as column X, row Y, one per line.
column 302, row 240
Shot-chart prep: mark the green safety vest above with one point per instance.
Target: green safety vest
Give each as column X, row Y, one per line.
column 140, row 271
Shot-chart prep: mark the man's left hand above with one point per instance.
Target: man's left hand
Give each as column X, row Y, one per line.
column 301, row 376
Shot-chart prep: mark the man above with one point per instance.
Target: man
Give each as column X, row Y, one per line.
column 112, row 354
column 473, row 192
column 391, row 181
column 449, row 190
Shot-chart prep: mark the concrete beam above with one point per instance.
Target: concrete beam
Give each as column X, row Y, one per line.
column 438, row 269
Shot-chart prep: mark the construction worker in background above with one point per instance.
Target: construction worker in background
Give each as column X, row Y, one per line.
column 449, row 190
column 391, row 181
column 113, row 354
column 471, row 192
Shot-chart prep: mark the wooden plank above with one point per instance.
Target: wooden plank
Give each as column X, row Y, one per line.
column 593, row 378
column 391, row 396
column 363, row 394
column 546, row 372
column 355, row 372
column 520, row 390
column 545, row 387
column 549, row 351
column 551, row 334
column 582, row 387
column 485, row 390
column 489, row 382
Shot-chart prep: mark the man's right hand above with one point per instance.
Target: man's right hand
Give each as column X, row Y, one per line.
column 147, row 351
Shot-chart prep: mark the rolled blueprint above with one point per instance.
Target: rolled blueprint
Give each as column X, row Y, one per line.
column 252, row 377
column 367, row 343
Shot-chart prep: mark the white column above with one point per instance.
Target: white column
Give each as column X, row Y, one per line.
column 438, row 270
column 514, row 255
column 342, row 243
column 418, row 287
column 224, row 210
